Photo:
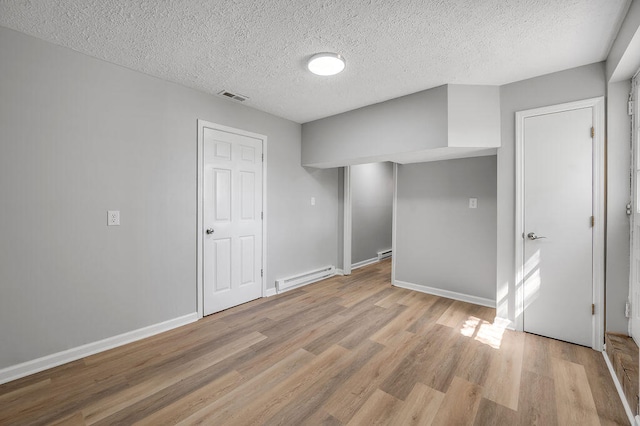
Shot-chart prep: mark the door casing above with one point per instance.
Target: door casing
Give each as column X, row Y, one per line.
column 634, row 282
column 202, row 124
column 346, row 229
column 347, row 222
column 599, row 209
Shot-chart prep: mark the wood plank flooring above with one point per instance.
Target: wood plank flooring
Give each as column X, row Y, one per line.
column 345, row 351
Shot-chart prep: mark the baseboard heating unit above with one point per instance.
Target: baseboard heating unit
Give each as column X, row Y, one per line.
column 384, row 254
column 285, row 284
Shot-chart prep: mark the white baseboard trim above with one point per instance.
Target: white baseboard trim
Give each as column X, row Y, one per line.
column 446, row 293
column 40, row 364
column 364, row 263
column 271, row 292
column 623, row 398
column 339, row 272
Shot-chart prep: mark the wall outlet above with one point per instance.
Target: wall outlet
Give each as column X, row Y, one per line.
column 113, row 218
column 313, row 201
column 473, row 203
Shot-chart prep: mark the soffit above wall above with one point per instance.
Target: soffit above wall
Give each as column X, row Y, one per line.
column 451, row 121
column 425, row 156
column 392, row 47
column 623, row 61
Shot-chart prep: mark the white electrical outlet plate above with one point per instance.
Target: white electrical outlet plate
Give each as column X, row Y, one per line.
column 113, row 218
column 473, row 203
column 313, row 201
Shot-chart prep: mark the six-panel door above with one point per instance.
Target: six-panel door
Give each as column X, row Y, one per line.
column 232, row 219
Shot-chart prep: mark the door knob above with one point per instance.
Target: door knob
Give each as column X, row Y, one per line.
column 209, row 231
column 533, row 236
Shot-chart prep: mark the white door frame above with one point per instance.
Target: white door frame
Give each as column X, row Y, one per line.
column 347, row 217
column 635, row 155
column 202, row 124
column 597, row 104
column 394, row 227
column 347, row 227
column 348, row 224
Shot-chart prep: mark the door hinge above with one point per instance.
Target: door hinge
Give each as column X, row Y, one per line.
column 593, row 132
column 627, row 310
column 262, row 215
column 263, row 158
column 630, row 106
column 593, row 221
column 261, row 272
column 593, row 309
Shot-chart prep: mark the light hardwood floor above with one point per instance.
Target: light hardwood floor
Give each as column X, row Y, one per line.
column 346, row 351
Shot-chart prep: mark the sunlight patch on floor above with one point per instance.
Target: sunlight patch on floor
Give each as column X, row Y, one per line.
column 483, row 331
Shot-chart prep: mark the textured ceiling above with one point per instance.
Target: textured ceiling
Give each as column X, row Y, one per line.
column 258, row 48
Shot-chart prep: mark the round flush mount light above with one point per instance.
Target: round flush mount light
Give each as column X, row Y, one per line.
column 326, row 64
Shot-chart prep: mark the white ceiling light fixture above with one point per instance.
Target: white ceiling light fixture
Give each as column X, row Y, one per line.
column 326, row 63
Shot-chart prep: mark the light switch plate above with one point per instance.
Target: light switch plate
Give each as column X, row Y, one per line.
column 313, row 201
column 473, row 203
column 113, row 218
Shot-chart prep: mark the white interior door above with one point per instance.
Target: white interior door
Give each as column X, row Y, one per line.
column 232, row 219
column 558, row 232
column 634, row 288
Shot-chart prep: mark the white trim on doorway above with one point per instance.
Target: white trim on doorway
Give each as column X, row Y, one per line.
column 202, row 124
column 634, row 254
column 394, row 216
column 597, row 105
column 346, row 252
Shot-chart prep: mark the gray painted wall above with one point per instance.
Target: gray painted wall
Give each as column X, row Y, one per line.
column 565, row 86
column 80, row 136
column 618, row 195
column 371, row 209
column 440, row 241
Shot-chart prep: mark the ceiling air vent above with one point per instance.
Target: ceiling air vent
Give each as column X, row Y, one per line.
column 234, row 96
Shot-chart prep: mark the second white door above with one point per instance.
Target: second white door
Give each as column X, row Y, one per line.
column 558, row 233
column 232, row 219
